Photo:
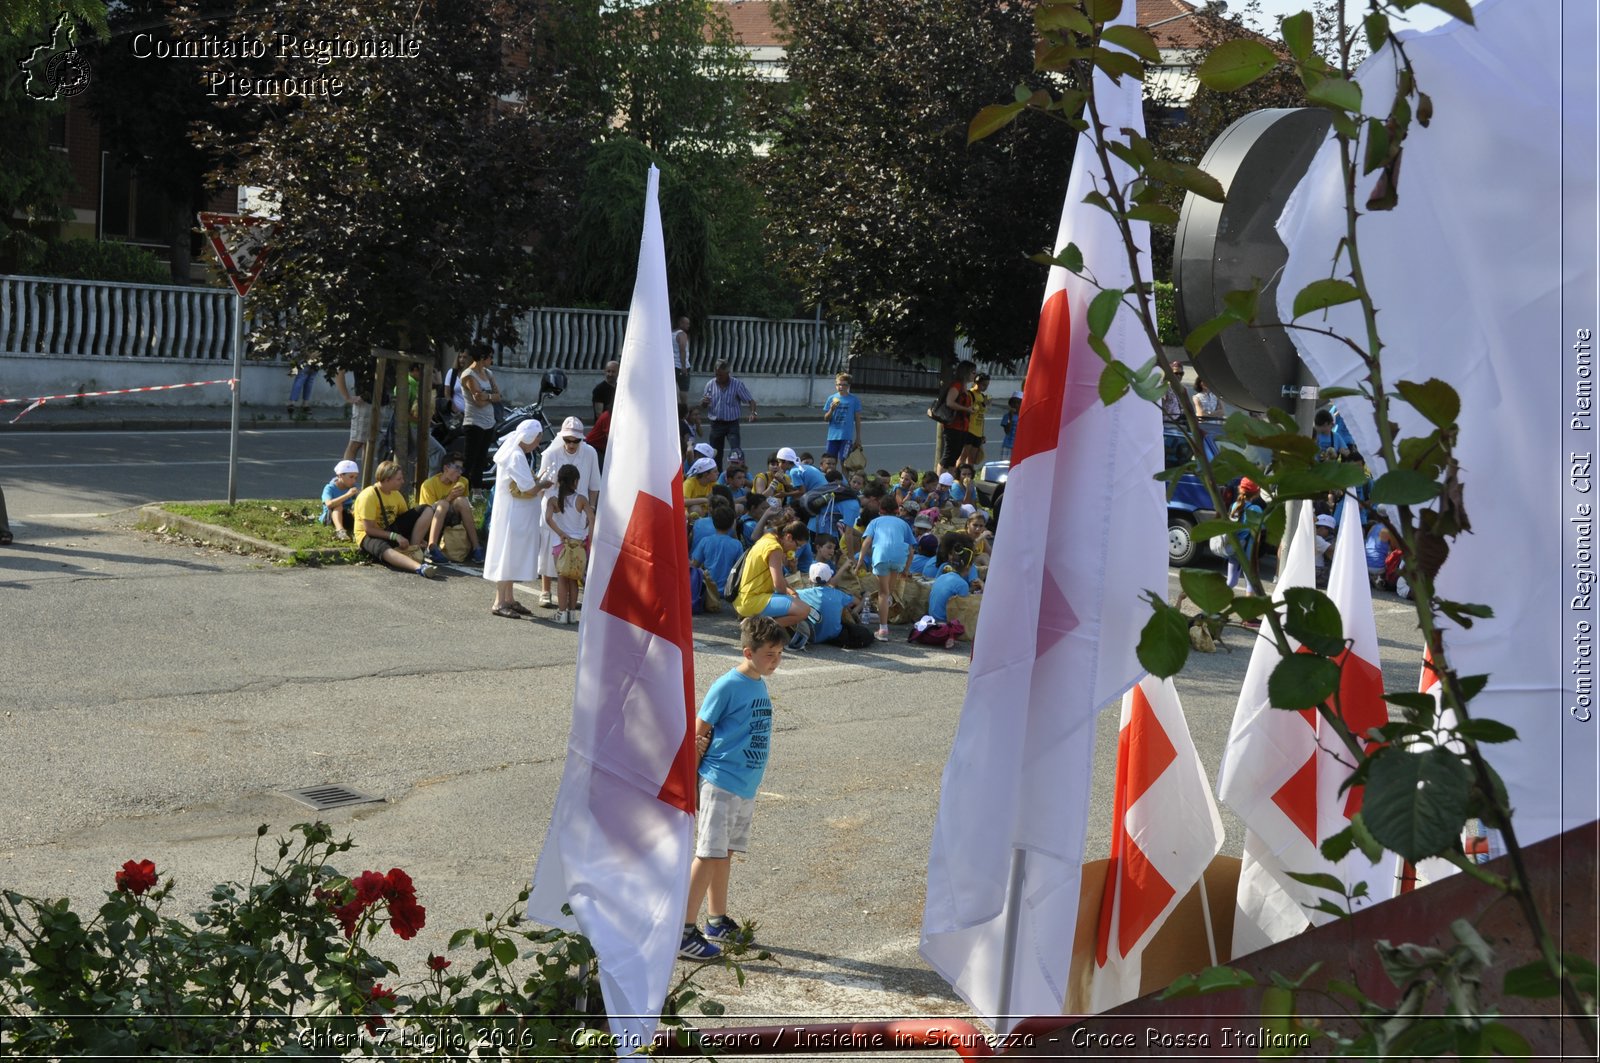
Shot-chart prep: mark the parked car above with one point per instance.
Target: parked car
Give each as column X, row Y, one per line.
column 1187, row 505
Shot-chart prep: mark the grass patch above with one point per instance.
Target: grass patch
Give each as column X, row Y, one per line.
column 290, row 523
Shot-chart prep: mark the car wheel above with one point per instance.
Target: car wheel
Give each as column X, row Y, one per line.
column 1181, row 546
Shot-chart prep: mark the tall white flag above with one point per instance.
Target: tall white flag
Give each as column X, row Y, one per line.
column 621, row 836
column 1503, row 308
column 1164, row 831
column 1082, row 539
column 1282, row 770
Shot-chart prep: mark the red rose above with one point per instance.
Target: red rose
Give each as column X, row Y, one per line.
column 407, row 917
column 398, row 884
column 437, row 963
column 136, row 877
column 349, row 915
column 370, row 886
column 380, row 996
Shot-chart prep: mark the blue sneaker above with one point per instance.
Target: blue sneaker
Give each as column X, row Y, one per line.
column 437, row 556
column 726, row 928
column 695, row 946
column 477, row 556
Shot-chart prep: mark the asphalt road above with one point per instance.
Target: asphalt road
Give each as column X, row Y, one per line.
column 159, row 695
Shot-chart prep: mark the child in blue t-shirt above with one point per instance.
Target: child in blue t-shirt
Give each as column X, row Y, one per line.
column 842, row 411
column 338, row 498
column 1008, row 424
column 956, row 579
column 886, row 546
column 732, row 733
column 717, row 552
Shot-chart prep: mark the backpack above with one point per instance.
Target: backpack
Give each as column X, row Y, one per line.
column 697, row 591
column 730, row 586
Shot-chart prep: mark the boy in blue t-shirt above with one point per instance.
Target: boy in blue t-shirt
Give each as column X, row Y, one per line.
column 1008, row 424
column 731, row 740
column 842, row 411
column 716, row 553
column 829, row 602
column 338, row 498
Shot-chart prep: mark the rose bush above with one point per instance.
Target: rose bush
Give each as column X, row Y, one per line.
column 285, row 964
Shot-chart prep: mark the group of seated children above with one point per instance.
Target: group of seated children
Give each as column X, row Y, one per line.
column 387, row 527
column 928, row 530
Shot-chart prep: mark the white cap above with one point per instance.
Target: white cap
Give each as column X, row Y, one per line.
column 702, row 466
column 788, row 454
column 946, row 479
column 528, row 431
column 571, row 428
column 705, row 450
column 346, row 468
column 968, row 509
column 1324, row 520
column 821, row 572
column 1017, row 395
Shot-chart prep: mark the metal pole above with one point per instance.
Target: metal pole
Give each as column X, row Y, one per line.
column 1008, row 944
column 238, row 386
column 816, row 352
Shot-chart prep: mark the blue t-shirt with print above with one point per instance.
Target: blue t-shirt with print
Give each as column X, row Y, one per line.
column 829, row 602
column 329, row 493
column 716, row 554
column 739, row 711
column 841, row 410
column 826, row 522
column 948, row 585
column 892, row 540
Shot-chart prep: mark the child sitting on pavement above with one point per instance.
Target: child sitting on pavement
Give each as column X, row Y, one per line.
column 716, row 553
column 954, row 581
column 339, row 496
column 731, row 739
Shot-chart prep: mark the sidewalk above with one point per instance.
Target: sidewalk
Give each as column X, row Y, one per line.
column 96, row 416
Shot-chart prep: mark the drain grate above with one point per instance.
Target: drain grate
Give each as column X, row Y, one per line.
column 330, row 796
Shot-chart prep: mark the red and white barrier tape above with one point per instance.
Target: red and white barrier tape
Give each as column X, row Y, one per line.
column 35, row 403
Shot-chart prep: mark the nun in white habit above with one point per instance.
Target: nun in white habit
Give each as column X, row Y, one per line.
column 514, row 533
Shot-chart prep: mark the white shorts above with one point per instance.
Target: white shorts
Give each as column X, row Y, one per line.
column 722, row 825
column 360, row 422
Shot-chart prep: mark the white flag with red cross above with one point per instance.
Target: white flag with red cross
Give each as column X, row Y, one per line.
column 1081, row 542
column 1164, row 831
column 621, row 836
column 1283, row 771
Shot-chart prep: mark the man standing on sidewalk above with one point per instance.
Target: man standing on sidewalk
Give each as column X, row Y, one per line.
column 725, row 394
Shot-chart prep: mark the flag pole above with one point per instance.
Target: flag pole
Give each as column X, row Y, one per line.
column 238, row 385
column 1008, row 941
column 1205, row 912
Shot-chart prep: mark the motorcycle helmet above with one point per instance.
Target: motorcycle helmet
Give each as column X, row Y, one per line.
column 554, row 382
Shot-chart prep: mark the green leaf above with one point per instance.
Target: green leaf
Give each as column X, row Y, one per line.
column 1191, row 179
column 1151, row 386
column 1376, row 25
column 1249, row 607
column 1377, row 152
column 1410, row 700
column 1113, row 382
column 1207, row 529
column 1415, row 803
column 1118, row 65
column 1403, row 487
column 1484, row 729
column 1102, row 11
column 1207, row 331
column 1070, row 259
column 459, row 938
column 1505, row 1041
column 1134, row 40
column 1297, row 34
column 1319, row 880
column 1339, row 846
column 1210, row 980
column 1103, row 310
column 1433, row 398
column 992, row 119
column 1369, row 846
column 1154, row 213
column 1206, row 589
column 1531, row 980
column 1058, row 17
column 1335, row 92
column 1312, row 619
column 1164, row 642
column 1463, row 612
column 1461, row 9
column 504, row 950
column 1097, row 344
column 1234, row 64
column 1471, row 685
column 1243, row 303
column 1319, row 295
column 1329, row 394
column 1302, row 681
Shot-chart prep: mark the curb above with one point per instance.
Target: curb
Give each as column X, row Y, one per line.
column 153, row 517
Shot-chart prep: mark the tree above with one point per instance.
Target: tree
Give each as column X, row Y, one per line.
column 405, row 184
column 668, row 77
column 884, row 212
column 33, row 177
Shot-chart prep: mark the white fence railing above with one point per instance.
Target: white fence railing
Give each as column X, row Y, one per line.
column 41, row 315
column 50, row 316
